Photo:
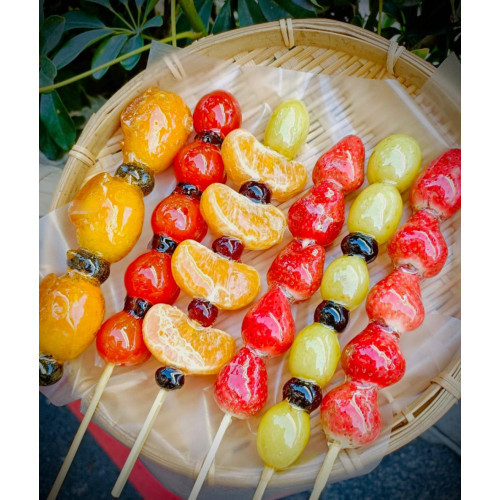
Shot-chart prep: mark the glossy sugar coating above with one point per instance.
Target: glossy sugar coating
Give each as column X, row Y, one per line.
column 108, row 214
column 374, row 357
column 350, row 415
column 174, row 339
column 201, row 273
column 395, row 160
column 282, row 435
column 297, row 269
column 315, row 354
column 246, row 159
column 287, row 129
column 438, row 187
column 343, row 164
column 346, row 281
column 119, row 340
column 149, row 277
column 319, row 215
column 376, row 211
column 178, row 217
column 155, row 126
column 396, row 301
column 241, row 386
column 268, row 327
column 71, row 310
column 228, row 213
column 419, row 245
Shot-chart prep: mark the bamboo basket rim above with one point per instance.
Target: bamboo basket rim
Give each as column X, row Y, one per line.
column 443, row 391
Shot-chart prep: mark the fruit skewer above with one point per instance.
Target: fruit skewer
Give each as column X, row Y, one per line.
column 373, row 360
column 284, row 429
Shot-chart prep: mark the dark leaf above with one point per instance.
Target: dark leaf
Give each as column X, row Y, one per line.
column 51, row 33
column 249, row 13
column 154, row 22
column 104, row 3
column 390, row 32
column 74, row 47
column 299, row 9
column 224, row 20
column 47, row 72
column 204, row 12
column 56, row 119
column 133, row 43
column 149, row 7
column 46, row 145
column 41, row 17
column 79, row 19
column 139, row 3
column 272, row 11
column 106, row 52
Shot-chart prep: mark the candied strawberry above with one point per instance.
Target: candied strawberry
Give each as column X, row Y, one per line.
column 343, row 164
column 438, row 187
column 396, row 301
column 350, row 414
column 419, row 244
column 297, row 269
column 374, row 356
column 319, row 215
column 268, row 326
column 241, row 386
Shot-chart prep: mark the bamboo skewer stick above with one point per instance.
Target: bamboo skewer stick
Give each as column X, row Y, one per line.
column 139, row 443
column 265, row 477
column 326, row 469
column 225, row 423
column 101, row 385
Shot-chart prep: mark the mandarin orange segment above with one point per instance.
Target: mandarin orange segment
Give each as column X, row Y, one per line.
column 174, row 339
column 246, row 159
column 228, row 213
column 155, row 126
column 201, row 273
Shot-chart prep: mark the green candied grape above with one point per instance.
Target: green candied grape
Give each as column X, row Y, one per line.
column 282, row 435
column 395, row 160
column 287, row 128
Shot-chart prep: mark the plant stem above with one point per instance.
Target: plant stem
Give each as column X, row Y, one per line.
column 379, row 28
column 173, row 22
column 192, row 16
column 185, row 34
column 131, row 16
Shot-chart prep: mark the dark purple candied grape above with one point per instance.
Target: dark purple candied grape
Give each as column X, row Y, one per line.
column 331, row 314
column 162, row 244
column 228, row 247
column 210, row 137
column 360, row 244
column 137, row 307
column 256, row 191
column 169, row 378
column 305, row 395
column 137, row 174
column 203, row 311
column 188, row 189
column 49, row 370
column 86, row 262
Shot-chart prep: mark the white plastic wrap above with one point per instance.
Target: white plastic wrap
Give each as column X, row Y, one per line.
column 186, row 425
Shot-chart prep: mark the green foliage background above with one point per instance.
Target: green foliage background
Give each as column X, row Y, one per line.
column 90, row 48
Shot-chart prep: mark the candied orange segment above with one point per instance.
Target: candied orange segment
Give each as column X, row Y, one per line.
column 155, row 126
column 246, row 159
column 228, row 213
column 175, row 340
column 201, row 273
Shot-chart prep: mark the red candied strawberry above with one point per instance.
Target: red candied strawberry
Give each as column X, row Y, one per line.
column 344, row 164
column 319, row 215
column 241, row 386
column 268, row 326
column 297, row 269
column 350, row 415
column 438, row 187
column 374, row 356
column 199, row 163
column 396, row 301
column 420, row 245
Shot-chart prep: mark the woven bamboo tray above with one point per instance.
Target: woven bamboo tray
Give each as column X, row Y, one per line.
column 317, row 46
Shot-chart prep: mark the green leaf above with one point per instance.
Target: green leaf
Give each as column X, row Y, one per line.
column 40, row 15
column 224, row 20
column 272, row 11
column 423, row 53
column 299, row 9
column 133, row 43
column 154, row 22
column 139, row 3
column 204, row 12
column 106, row 52
column 47, row 72
column 56, row 119
column 104, row 3
column 46, row 145
column 51, row 33
column 204, row 9
column 149, row 7
column 79, row 19
column 249, row 13
column 74, row 47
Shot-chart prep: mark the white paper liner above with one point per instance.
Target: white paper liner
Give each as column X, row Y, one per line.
column 182, row 434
